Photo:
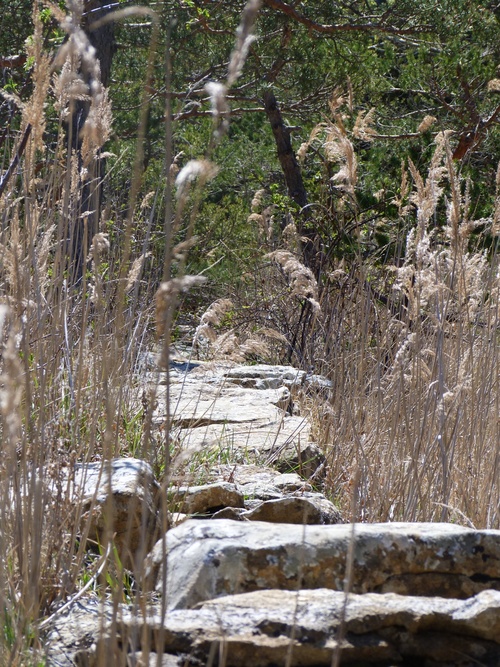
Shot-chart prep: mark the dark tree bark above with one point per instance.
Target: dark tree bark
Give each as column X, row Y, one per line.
column 311, row 248
column 294, row 183
column 85, row 223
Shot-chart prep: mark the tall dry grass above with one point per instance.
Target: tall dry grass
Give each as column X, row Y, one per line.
column 70, row 343
column 74, row 337
column 411, row 428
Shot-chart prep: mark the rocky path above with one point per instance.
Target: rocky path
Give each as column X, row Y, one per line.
column 258, row 567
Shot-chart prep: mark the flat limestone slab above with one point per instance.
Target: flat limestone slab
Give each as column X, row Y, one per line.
column 203, row 404
column 307, row 628
column 277, row 433
column 209, row 559
column 245, row 412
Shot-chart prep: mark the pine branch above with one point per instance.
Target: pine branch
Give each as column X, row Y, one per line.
column 313, row 26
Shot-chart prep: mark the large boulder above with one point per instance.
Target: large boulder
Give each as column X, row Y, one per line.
column 209, row 559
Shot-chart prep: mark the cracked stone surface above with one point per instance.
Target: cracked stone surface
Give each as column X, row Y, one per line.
column 305, row 627
column 208, row 559
column 246, row 412
column 261, row 586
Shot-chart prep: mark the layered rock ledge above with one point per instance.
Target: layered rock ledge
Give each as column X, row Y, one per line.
column 258, row 568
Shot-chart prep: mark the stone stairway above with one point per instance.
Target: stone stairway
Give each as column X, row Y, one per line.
column 258, row 567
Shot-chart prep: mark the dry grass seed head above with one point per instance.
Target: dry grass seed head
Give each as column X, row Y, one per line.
column 136, row 271
column 216, row 311
column 436, row 277
column 212, row 318
column 220, row 107
column 302, row 281
column 426, row 124
column 261, row 223
column 201, row 170
column 339, row 149
column 67, row 86
column 244, row 39
column 257, row 200
column 304, row 147
column 229, row 346
column 167, row 296
column 337, row 100
column 363, row 127
column 181, row 249
column 97, row 127
column 34, row 110
column 404, row 189
column 291, row 238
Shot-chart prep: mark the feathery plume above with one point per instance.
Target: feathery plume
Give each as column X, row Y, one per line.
column 244, row 39
column 135, row 271
column 426, row 124
column 203, row 170
column 363, row 127
column 257, row 200
column 302, row 281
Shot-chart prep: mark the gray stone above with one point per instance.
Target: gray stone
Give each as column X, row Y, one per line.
column 261, row 482
column 282, row 442
column 203, row 404
column 233, row 513
column 76, row 633
column 117, row 498
column 310, row 509
column 262, row 376
column 205, row 499
column 307, row 628
column 211, row 411
column 209, row 559
column 267, row 496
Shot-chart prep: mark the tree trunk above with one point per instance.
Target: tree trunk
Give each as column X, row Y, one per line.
column 294, row 182
column 311, row 254
column 85, row 222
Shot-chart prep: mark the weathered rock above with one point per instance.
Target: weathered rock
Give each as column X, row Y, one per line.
column 305, row 509
column 260, row 482
column 118, row 498
column 211, row 411
column 306, row 458
column 282, row 441
column 264, row 496
column 209, row 559
column 195, row 405
column 275, row 627
column 265, row 428
column 263, row 376
column 206, row 499
column 76, row 632
column 233, row 513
